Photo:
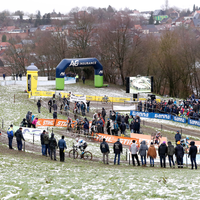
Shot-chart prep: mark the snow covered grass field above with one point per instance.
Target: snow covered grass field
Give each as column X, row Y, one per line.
column 24, row 177
column 31, row 176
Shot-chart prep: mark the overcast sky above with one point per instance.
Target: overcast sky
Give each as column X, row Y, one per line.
column 64, row 6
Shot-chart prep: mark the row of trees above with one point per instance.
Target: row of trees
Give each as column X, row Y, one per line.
column 123, row 51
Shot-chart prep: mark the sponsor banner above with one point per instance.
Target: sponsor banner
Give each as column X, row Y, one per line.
column 31, row 131
column 63, row 123
column 193, row 122
column 151, row 115
column 113, row 139
column 140, row 114
column 74, row 98
column 120, row 100
column 45, row 122
column 179, row 119
column 36, row 93
column 90, row 98
column 161, row 116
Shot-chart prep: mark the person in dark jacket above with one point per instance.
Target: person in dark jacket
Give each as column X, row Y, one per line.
column 162, row 152
column 46, row 142
column 119, row 119
column 108, row 126
column 103, row 113
column 192, row 154
column 62, row 146
column 170, row 153
column 126, row 121
column 122, row 128
column 10, row 133
column 117, row 147
column 53, row 146
column 179, row 152
column 132, row 126
column 50, row 103
column 19, row 138
column 42, row 142
column 137, row 126
column 177, row 137
column 143, row 152
column 105, row 150
column 39, row 105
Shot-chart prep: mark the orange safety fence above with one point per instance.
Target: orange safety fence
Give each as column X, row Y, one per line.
column 45, row 122
column 113, row 139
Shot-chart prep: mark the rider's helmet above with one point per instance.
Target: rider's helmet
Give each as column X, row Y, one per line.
column 77, row 139
column 187, row 138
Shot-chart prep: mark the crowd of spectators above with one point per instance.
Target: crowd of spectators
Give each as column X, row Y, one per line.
column 183, row 108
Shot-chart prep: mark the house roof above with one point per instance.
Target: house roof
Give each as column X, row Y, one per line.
column 196, row 22
column 4, row 44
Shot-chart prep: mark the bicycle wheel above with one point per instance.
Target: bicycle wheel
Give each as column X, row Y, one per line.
column 71, row 155
column 87, row 155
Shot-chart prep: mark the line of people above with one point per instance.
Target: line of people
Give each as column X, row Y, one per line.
column 144, row 151
column 49, row 146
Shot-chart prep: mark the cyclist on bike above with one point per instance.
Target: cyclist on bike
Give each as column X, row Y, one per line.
column 105, row 97
column 157, row 138
column 81, row 144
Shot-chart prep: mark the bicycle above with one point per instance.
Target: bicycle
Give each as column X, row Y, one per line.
column 86, row 155
column 105, row 100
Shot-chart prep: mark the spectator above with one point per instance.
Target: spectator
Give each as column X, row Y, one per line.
column 16, row 77
column 83, row 79
column 122, row 128
column 54, row 115
column 19, row 138
column 179, row 152
column 192, row 154
column 137, row 125
column 86, row 128
column 20, row 76
column 29, row 118
column 177, row 137
column 10, row 134
column 162, row 152
column 152, row 154
column 142, row 152
column 103, row 113
column 126, row 121
column 115, row 128
column 104, row 150
column 4, row 77
column 34, row 122
column 132, row 126
column 50, row 105
column 42, row 142
column 88, row 106
column 55, row 107
column 134, row 150
column 117, row 147
column 23, row 123
column 39, row 105
column 170, row 153
column 108, row 126
column 62, row 146
column 46, row 142
column 53, row 146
